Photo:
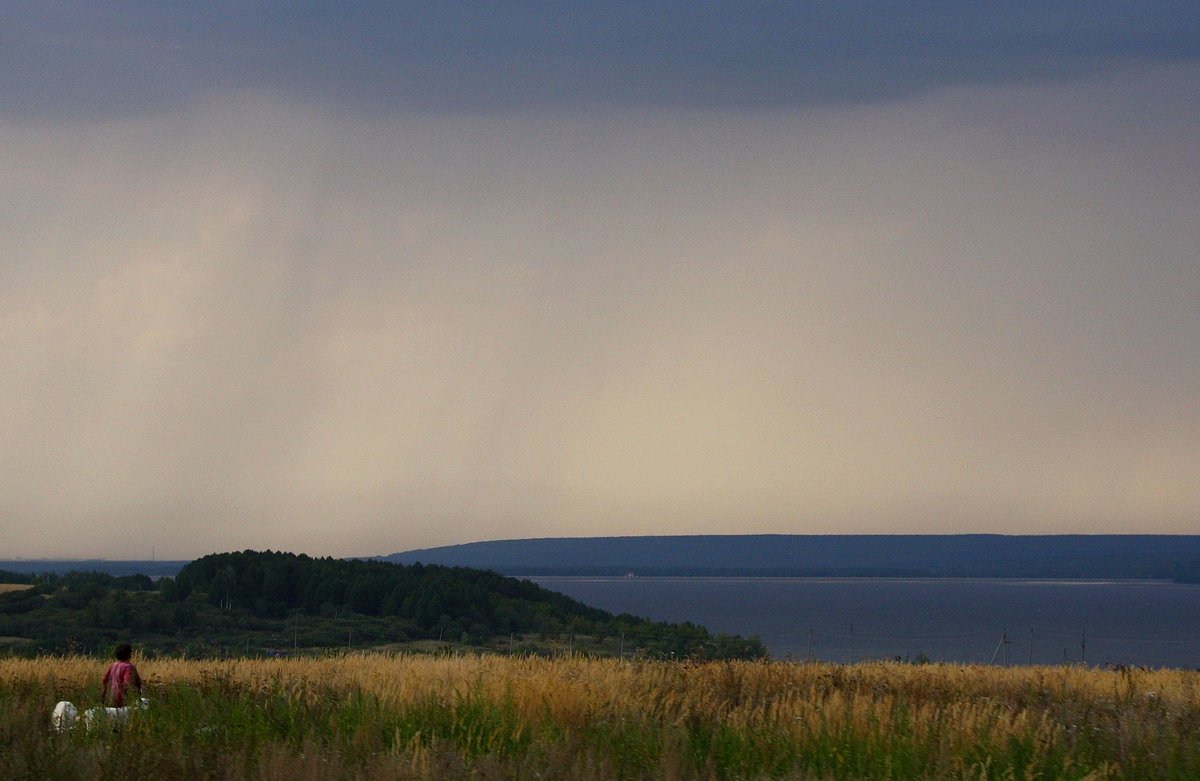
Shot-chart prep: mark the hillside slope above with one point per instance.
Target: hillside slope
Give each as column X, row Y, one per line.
column 261, row 602
column 978, row 555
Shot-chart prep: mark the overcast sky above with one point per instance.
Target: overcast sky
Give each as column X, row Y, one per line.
column 350, row 281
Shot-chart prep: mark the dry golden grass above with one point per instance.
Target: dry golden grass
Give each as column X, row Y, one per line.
column 6, row 587
column 1036, row 720
column 739, row 693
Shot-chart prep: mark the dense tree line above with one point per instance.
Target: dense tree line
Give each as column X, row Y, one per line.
column 80, row 610
column 266, row 598
column 427, row 601
column 270, row 585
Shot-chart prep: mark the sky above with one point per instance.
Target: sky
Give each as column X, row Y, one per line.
column 350, row 279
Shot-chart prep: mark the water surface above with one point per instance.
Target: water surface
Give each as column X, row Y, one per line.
column 1151, row 623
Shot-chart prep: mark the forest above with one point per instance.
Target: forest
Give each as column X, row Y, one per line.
column 274, row 603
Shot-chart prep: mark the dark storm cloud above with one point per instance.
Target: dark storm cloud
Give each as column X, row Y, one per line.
column 80, row 60
column 370, row 277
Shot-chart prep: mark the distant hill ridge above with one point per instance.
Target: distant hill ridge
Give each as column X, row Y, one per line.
column 1174, row 557
column 1140, row 556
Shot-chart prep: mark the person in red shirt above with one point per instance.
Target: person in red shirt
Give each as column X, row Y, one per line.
column 119, row 677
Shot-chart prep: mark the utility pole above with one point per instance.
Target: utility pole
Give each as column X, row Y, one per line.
column 1030, row 646
column 810, row 641
column 852, row 644
column 1003, row 644
column 1083, row 647
column 999, row 645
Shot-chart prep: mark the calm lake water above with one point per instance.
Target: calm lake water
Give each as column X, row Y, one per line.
column 1155, row 624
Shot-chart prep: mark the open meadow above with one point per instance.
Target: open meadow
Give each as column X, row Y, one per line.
column 377, row 716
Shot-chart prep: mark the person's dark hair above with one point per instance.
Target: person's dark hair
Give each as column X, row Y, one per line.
column 124, row 652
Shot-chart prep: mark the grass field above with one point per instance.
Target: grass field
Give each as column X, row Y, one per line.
column 374, row 716
column 6, row 587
